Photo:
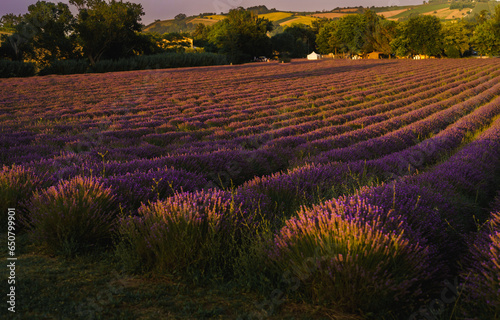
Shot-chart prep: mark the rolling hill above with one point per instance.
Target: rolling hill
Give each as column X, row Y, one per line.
column 287, row 18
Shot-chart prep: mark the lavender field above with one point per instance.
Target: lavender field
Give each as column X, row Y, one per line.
column 368, row 187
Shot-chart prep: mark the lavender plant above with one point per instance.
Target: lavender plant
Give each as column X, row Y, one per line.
column 75, row 216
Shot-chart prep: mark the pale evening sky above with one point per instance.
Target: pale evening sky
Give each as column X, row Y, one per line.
column 167, row 9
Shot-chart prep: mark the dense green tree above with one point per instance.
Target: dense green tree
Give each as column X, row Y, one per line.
column 384, row 34
column 351, row 34
column 486, row 38
column 43, row 34
column 418, row 35
column 10, row 20
column 283, row 44
column 370, row 20
column 242, row 35
column 304, row 40
column 327, row 40
column 180, row 16
column 455, row 37
column 108, row 30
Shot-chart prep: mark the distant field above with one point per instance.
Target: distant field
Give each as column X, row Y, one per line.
column 302, row 19
column 216, row 17
column 421, row 9
column 391, row 14
column 275, row 16
column 448, row 14
column 329, row 15
column 204, row 21
column 488, row 6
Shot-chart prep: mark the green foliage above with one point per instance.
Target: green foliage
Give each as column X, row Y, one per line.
column 157, row 61
column 42, row 34
column 283, row 43
column 385, row 32
column 16, row 187
column 10, row 20
column 16, row 69
column 486, row 37
column 160, row 61
column 455, row 39
column 65, row 67
column 242, row 35
column 108, row 30
column 73, row 217
column 186, row 232
column 356, row 34
column 418, row 35
column 343, row 255
column 304, row 40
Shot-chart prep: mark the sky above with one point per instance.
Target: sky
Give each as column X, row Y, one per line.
column 167, row 9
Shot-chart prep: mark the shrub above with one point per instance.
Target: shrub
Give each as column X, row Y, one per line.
column 17, row 184
column 188, row 231
column 160, row 61
column 352, row 255
column 73, row 217
column 482, row 277
column 16, row 69
column 65, row 67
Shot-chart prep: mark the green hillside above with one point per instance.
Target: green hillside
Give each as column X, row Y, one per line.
column 285, row 18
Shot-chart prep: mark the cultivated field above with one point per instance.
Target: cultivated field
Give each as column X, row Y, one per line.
column 366, row 187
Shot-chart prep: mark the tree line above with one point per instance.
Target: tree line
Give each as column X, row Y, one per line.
column 242, row 35
column 101, row 30
column 111, row 30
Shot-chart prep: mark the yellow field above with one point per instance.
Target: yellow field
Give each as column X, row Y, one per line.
column 329, row 15
column 389, row 14
column 303, row 19
column 448, row 14
column 204, row 21
column 216, row 17
column 275, row 16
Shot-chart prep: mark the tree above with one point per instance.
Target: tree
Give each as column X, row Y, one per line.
column 108, row 30
column 283, row 43
column 350, row 34
column 44, row 34
column 10, row 20
column 486, row 37
column 304, row 40
column 455, row 39
column 385, row 32
column 180, row 16
column 418, row 35
column 327, row 40
column 242, row 35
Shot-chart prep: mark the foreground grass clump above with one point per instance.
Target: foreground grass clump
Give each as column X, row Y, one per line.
column 73, row 217
column 17, row 184
column 188, row 231
column 482, row 277
column 353, row 256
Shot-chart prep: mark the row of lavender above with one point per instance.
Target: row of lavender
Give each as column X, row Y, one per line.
column 401, row 238
column 133, row 148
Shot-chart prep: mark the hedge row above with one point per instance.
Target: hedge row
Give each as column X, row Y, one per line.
column 158, row 61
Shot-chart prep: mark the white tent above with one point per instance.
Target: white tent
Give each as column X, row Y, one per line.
column 313, row 56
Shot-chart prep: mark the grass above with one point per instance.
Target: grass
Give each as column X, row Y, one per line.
column 93, row 287
column 307, row 20
column 275, row 16
column 421, row 10
column 488, row 6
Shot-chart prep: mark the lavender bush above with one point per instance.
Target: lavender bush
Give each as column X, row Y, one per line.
column 73, row 217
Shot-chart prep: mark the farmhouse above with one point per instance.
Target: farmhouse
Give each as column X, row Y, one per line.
column 313, row 56
column 374, row 55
